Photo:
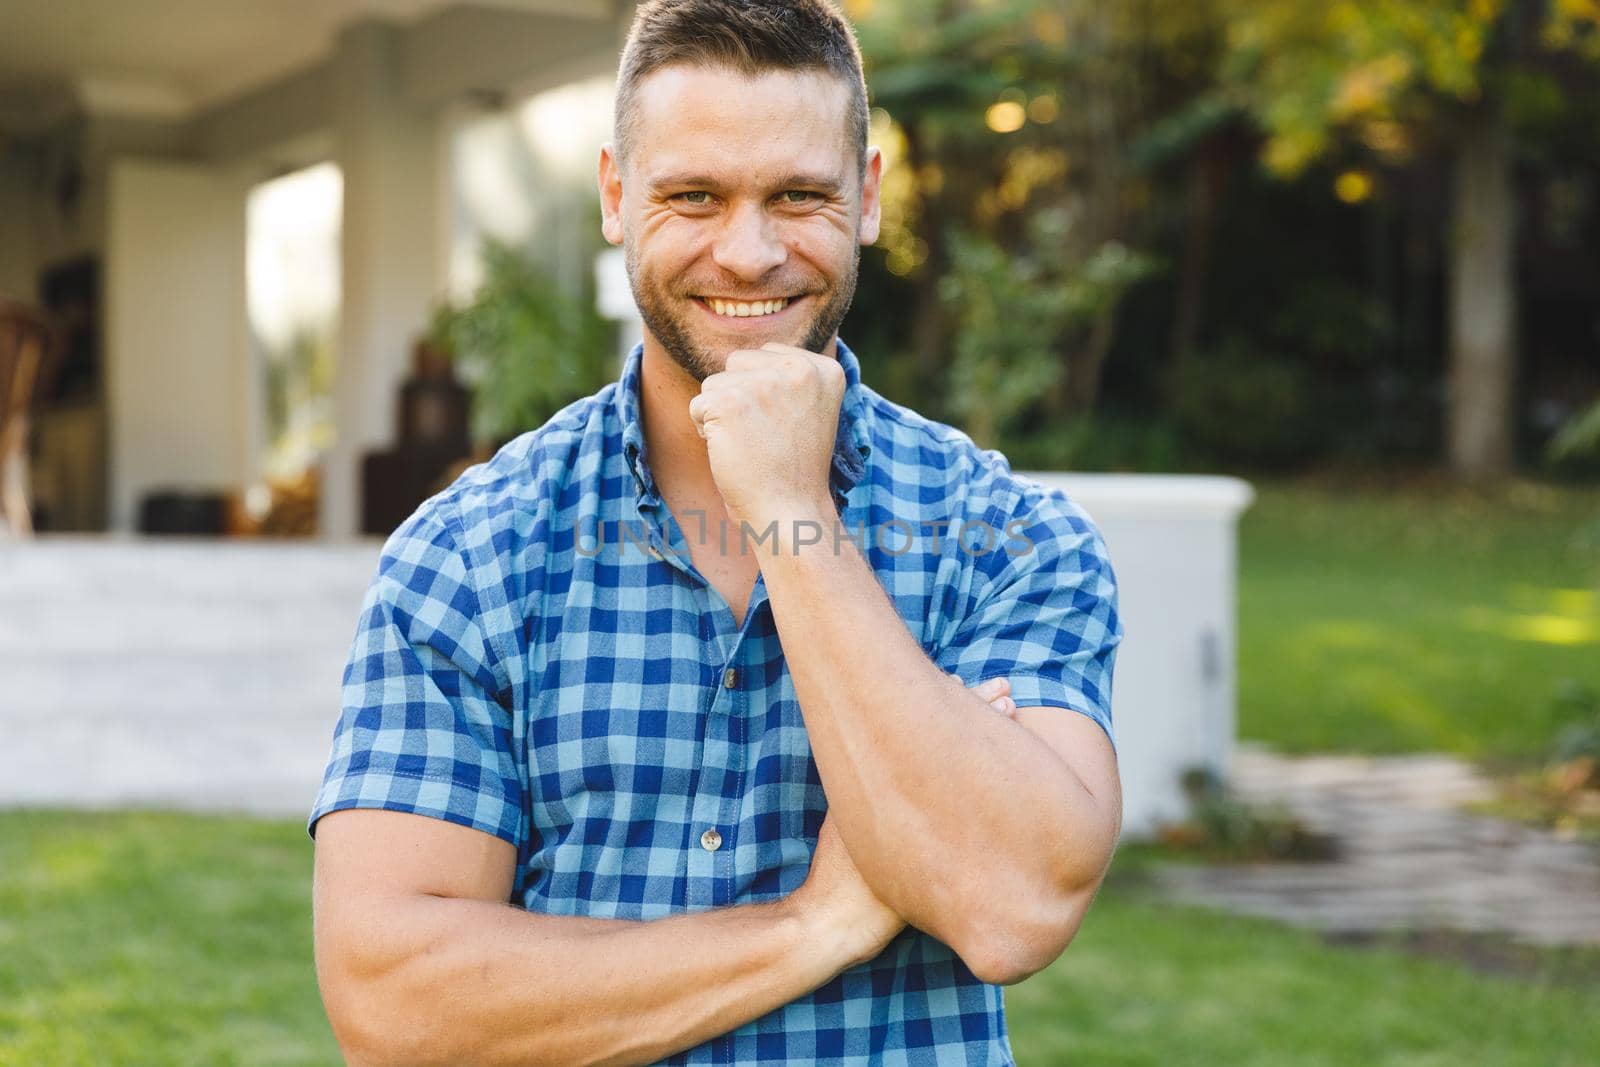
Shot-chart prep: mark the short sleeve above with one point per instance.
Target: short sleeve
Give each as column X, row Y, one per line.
column 1045, row 610
column 422, row 727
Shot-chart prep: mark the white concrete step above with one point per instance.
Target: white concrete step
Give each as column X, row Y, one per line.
column 180, row 673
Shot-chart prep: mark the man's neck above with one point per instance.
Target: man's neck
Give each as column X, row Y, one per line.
column 677, row 454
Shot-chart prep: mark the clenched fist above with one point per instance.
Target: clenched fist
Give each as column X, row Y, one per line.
column 769, row 420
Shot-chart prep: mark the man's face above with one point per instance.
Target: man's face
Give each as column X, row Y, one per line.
column 741, row 211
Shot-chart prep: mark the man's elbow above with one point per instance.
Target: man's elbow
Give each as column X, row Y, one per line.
column 374, row 1028
column 1007, row 949
column 367, row 997
column 358, row 1010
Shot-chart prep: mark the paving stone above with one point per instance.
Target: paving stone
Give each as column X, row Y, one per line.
column 1411, row 858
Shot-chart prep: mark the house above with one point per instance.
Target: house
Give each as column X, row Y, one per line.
column 131, row 139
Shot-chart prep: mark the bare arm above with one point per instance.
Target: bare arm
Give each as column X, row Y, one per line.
column 421, row 960
column 1000, row 853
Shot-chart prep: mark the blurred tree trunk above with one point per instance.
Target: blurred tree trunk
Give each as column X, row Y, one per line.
column 1085, row 361
column 1208, row 180
column 1100, row 214
column 928, row 332
column 1482, row 308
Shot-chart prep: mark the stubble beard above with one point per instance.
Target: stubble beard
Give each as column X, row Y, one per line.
column 666, row 324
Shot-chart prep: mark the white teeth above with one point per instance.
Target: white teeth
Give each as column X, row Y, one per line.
column 744, row 311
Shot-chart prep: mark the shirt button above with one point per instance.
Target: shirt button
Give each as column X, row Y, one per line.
column 730, row 678
column 711, row 840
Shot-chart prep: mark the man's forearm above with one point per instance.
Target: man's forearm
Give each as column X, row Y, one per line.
column 966, row 823
column 474, row 982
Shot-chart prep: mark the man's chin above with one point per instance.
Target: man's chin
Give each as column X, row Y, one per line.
column 725, row 340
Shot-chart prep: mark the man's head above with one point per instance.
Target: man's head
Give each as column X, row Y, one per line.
column 740, row 174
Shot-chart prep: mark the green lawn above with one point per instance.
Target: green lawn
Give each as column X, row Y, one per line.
column 166, row 940
column 1149, row 983
column 148, row 938
column 1429, row 618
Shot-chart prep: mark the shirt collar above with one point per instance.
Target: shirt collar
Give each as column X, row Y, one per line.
column 851, row 446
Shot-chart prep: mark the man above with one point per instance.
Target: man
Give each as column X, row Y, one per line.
column 667, row 733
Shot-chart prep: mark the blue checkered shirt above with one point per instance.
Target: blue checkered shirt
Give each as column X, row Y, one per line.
column 538, row 658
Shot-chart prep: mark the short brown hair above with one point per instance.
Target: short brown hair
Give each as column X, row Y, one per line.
column 749, row 36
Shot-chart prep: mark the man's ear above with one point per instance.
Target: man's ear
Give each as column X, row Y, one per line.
column 610, row 194
column 871, row 206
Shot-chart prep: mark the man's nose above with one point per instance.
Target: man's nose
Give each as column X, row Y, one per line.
column 749, row 245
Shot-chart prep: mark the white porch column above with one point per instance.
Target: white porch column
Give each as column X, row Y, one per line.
column 392, row 247
column 180, row 396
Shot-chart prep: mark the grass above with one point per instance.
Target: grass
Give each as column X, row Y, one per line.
column 140, row 938
column 1422, row 618
column 1149, row 983
column 146, row 938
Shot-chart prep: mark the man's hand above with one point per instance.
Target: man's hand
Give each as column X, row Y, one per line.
column 838, row 904
column 769, row 420
column 997, row 691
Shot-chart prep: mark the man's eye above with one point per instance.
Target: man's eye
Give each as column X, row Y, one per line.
column 798, row 196
column 698, row 197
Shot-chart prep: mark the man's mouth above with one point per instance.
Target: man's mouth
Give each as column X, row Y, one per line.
column 745, row 309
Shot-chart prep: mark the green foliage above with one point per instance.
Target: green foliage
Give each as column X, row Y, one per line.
column 526, row 348
column 1138, row 127
column 1173, row 136
column 1386, row 73
column 1006, row 328
column 1580, row 737
column 1222, row 826
column 1308, row 70
column 1577, row 443
column 1006, row 119
column 1013, row 312
column 1240, row 405
column 1096, row 442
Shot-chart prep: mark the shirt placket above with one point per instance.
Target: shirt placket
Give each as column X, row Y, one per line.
column 711, row 877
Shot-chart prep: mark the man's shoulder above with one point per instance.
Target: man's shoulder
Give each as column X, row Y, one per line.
column 526, row 472
column 942, row 462
column 492, row 526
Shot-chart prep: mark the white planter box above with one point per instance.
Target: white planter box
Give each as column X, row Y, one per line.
column 1173, row 547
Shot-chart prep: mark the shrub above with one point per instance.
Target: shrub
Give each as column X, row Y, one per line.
column 1243, row 406
column 524, row 347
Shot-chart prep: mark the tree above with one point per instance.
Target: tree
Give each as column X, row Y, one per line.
column 1015, row 214
column 1393, row 78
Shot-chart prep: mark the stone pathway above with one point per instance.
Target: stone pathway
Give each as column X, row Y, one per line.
column 1411, row 859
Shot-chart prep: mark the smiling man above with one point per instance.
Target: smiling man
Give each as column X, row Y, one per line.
column 669, row 734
